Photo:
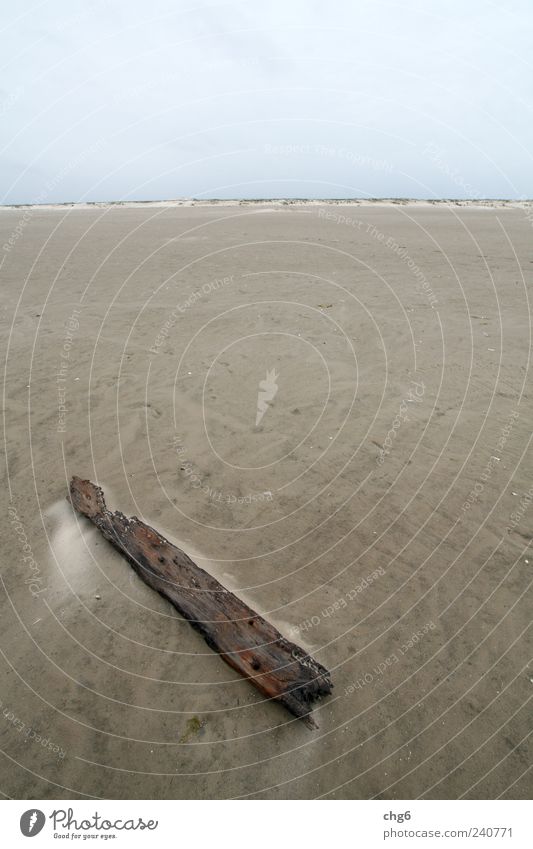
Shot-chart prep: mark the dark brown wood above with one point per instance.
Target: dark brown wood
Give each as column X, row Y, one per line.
column 278, row 668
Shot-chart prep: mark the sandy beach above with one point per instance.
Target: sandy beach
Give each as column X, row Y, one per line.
column 328, row 406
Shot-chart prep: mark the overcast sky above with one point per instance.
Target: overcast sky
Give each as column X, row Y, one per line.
column 122, row 99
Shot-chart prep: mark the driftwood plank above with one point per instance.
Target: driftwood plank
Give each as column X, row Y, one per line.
column 281, row 670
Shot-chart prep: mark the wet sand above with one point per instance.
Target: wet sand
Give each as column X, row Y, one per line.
column 373, row 497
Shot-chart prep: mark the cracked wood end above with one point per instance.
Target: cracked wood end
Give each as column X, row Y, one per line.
column 279, row 669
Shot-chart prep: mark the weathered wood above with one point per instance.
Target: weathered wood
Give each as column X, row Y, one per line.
column 278, row 668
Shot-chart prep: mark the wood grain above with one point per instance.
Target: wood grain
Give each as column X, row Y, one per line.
column 279, row 669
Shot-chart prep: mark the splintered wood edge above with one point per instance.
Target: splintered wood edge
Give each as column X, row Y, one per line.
column 89, row 500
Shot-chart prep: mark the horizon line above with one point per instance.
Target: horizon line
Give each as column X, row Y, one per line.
column 282, row 200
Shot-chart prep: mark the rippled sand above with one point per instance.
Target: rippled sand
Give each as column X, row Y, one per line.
column 329, row 407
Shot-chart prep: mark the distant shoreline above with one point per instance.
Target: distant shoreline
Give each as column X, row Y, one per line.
column 184, row 202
